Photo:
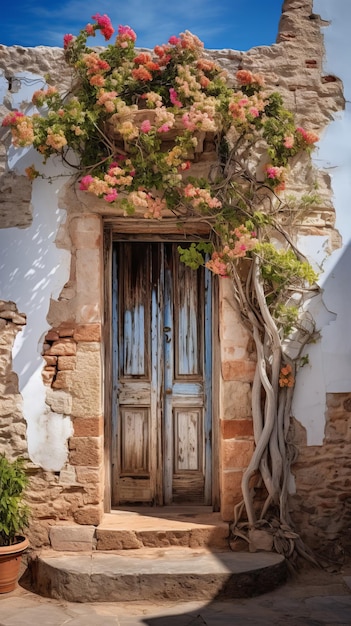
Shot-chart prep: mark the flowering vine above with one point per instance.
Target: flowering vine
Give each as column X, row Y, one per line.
column 137, row 120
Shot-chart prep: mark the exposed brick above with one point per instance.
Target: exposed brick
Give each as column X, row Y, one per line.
column 88, row 426
column 63, row 347
column 50, row 360
column 52, row 335
column 236, row 428
column 48, row 374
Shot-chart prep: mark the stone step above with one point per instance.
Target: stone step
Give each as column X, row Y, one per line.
column 191, row 527
column 160, row 528
column 155, row 574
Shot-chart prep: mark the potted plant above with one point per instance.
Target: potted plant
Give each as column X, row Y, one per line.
column 14, row 515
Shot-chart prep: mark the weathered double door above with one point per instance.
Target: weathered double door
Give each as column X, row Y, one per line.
column 161, row 448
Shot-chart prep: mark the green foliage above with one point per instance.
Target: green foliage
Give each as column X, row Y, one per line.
column 14, row 513
column 194, row 255
column 286, row 317
column 281, row 267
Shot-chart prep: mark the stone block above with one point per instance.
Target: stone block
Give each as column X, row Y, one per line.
column 87, row 332
column 59, row 401
column 66, row 329
column 88, row 474
column 88, row 426
column 63, row 380
column 235, row 400
column 230, row 487
column 66, row 362
column 117, row 540
column 62, row 347
column 86, row 451
column 88, row 281
column 93, row 494
column 236, row 453
column 86, row 231
column 242, row 371
column 48, row 375
column 89, row 515
column 50, row 360
column 72, row 538
column 86, row 381
column 231, row 429
column 68, row 475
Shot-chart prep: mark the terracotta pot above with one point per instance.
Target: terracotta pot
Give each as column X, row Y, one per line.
column 10, row 563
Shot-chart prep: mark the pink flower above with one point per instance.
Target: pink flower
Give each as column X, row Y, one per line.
column 308, row 135
column 273, row 172
column 126, row 33
column 90, row 30
column 289, row 141
column 112, row 196
column 145, row 126
column 12, row 118
column 104, row 23
column 85, row 182
column 174, row 40
column 174, row 98
column 254, row 111
column 163, row 129
column 67, row 40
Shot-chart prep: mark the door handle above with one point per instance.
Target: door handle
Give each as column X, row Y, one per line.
column 166, row 329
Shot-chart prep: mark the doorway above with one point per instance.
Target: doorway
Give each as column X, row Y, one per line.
column 162, row 356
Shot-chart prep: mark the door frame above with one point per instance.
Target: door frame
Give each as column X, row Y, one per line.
column 131, row 229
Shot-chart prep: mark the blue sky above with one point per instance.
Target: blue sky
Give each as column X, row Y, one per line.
column 235, row 24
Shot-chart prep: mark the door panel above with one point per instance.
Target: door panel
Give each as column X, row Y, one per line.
column 161, row 450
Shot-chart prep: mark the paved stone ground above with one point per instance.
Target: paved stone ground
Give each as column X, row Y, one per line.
column 311, row 598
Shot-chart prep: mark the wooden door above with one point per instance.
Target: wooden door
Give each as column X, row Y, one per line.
column 161, row 448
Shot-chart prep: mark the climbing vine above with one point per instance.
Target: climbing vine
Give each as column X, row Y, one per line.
column 137, row 121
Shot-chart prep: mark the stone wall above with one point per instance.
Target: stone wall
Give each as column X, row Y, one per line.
column 72, row 369
column 12, row 424
column 322, row 504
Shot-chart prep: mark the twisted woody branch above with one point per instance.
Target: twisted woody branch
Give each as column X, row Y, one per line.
column 136, row 120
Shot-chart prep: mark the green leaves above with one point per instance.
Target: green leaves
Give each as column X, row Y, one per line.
column 14, row 513
column 194, row 255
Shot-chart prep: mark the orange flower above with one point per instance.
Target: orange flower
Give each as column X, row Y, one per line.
column 286, row 379
column 141, row 73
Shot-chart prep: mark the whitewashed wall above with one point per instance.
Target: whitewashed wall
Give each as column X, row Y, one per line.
column 329, row 368
column 33, row 270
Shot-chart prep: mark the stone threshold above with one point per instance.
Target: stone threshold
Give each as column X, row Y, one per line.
column 144, row 527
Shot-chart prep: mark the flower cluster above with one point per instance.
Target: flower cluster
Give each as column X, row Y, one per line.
column 286, row 378
column 239, row 243
column 134, row 119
